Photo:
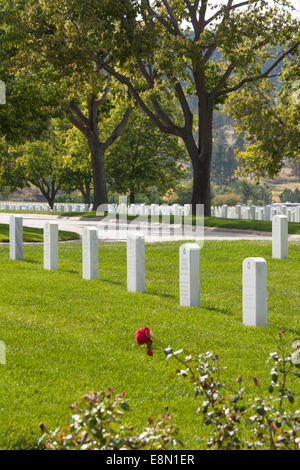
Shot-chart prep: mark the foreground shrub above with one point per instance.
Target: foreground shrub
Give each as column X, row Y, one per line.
column 98, row 424
column 235, row 419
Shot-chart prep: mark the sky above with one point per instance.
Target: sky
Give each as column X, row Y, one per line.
column 295, row 3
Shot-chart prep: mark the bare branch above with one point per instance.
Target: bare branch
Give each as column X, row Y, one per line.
column 134, row 93
column 101, row 100
column 144, row 72
column 76, row 122
column 172, row 17
column 232, row 66
column 265, row 74
column 202, row 13
column 193, row 15
column 171, row 126
column 188, row 115
column 117, row 131
column 227, row 8
column 162, row 19
column 209, row 53
column 76, row 110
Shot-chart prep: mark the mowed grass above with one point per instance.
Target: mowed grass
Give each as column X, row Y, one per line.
column 35, row 234
column 66, row 337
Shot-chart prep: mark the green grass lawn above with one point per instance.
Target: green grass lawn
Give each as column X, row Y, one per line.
column 66, row 337
column 35, row 234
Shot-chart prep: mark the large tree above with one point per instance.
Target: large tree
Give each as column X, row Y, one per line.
column 186, row 47
column 39, row 162
column 59, row 160
column 29, row 103
column 88, row 124
column 176, row 47
column 59, row 34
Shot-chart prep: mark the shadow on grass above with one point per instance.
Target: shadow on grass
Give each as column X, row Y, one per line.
column 158, row 293
column 223, row 311
column 109, row 281
column 32, row 261
column 70, row 271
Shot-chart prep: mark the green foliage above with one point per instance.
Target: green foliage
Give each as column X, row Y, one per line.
column 59, row 160
column 143, row 158
column 243, row 191
column 225, row 140
column 76, row 166
column 288, row 195
column 160, row 50
column 258, row 194
column 98, row 424
column 31, row 99
column 236, row 419
column 231, row 199
column 270, row 122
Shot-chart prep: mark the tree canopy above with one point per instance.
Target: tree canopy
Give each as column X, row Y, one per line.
column 168, row 47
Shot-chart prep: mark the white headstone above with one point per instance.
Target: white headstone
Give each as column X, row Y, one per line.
column 267, row 212
column 224, row 211
column 189, row 275
column 135, row 262
column 51, row 246
column 255, row 292
column 280, row 237
column 238, row 211
column 16, row 237
column 90, row 254
column 252, row 212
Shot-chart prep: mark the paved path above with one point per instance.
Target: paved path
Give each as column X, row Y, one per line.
column 77, row 224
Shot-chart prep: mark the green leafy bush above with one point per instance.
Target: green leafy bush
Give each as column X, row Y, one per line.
column 236, row 419
column 231, row 199
column 98, row 424
column 290, row 196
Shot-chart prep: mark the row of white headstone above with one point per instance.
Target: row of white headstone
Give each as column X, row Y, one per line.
column 42, row 207
column 254, row 269
column 257, row 213
column 227, row 212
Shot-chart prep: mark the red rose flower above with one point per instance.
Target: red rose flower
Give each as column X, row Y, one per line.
column 142, row 336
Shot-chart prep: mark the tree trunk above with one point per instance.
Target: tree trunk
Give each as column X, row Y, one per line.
column 85, row 189
column 201, row 185
column 131, row 197
column 201, row 156
column 89, row 126
column 99, row 181
column 87, row 194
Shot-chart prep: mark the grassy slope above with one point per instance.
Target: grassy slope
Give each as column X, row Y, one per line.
column 66, row 336
column 35, row 234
